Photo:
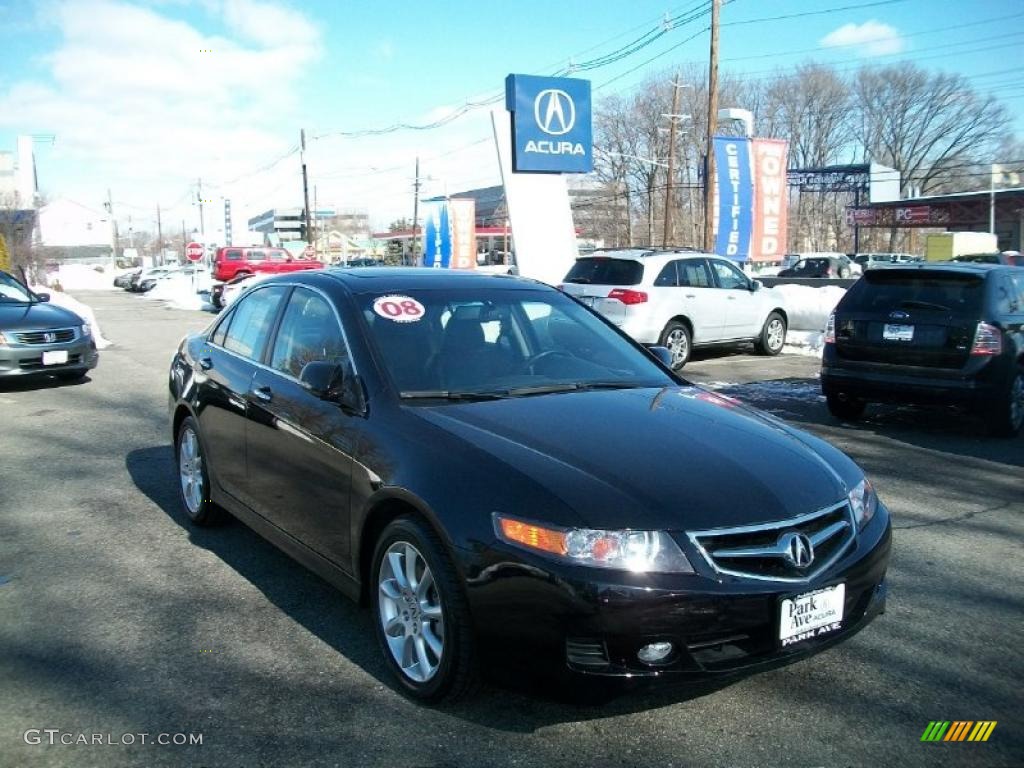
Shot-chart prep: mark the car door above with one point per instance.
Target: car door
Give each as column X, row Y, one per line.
column 299, row 446
column 742, row 314
column 226, row 367
column 701, row 300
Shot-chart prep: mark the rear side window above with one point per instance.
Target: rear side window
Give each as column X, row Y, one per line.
column 888, row 290
column 1007, row 296
column 309, row 333
column 693, row 273
column 667, row 278
column 276, row 255
column 605, row 271
column 255, row 255
column 251, row 324
column 233, row 254
column 1018, row 283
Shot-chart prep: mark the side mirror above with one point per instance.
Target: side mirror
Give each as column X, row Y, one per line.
column 331, row 381
column 663, row 355
column 755, row 286
column 43, row 297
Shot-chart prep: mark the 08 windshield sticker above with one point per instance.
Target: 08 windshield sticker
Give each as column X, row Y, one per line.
column 398, row 309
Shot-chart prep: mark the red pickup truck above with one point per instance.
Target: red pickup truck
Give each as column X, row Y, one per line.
column 232, row 261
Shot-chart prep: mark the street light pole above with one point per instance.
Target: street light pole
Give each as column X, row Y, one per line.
column 415, row 210
column 709, row 175
column 673, row 122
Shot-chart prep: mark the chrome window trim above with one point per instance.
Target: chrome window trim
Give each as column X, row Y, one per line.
column 781, row 526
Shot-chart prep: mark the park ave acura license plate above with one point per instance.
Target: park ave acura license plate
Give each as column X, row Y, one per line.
column 811, row 615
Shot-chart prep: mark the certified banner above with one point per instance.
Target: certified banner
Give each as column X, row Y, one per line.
column 437, row 234
column 770, row 199
column 463, row 218
column 735, row 197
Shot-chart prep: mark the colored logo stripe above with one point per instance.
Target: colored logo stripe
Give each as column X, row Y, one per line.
column 958, row 730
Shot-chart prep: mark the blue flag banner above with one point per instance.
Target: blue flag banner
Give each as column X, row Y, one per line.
column 735, row 188
column 437, row 234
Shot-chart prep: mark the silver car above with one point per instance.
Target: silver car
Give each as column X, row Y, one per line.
column 37, row 337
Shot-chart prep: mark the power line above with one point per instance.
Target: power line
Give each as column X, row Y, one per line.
column 819, row 12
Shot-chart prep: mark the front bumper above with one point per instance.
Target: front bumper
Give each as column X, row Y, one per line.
column 595, row 623
column 27, row 359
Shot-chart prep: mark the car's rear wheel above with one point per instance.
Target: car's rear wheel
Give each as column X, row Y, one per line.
column 845, row 407
column 194, row 477
column 773, row 335
column 676, row 338
column 1006, row 416
column 421, row 615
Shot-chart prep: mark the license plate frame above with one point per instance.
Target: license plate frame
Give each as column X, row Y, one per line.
column 811, row 620
column 897, row 332
column 55, row 357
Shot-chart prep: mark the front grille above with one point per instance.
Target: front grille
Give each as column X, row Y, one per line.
column 56, row 336
column 586, row 652
column 765, row 551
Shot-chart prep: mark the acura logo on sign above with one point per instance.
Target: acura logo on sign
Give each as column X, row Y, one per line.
column 554, row 111
column 797, row 549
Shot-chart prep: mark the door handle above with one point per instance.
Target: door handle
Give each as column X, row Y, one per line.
column 263, row 394
column 205, row 363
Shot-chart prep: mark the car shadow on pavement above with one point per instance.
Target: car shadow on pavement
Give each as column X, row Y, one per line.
column 32, row 383
column 513, row 699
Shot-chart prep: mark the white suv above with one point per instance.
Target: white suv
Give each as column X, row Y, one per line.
column 679, row 299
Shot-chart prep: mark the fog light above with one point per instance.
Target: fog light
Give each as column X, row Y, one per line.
column 654, row 653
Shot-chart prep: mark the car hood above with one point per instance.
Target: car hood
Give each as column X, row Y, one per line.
column 674, row 459
column 25, row 317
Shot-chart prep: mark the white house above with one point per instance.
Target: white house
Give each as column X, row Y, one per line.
column 65, row 223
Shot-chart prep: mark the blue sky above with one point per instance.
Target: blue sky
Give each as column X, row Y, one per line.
column 144, row 97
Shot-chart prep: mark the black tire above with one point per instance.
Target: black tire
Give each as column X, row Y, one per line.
column 845, row 407
column 772, row 341
column 456, row 674
column 679, row 341
column 205, row 512
column 1006, row 416
column 71, row 375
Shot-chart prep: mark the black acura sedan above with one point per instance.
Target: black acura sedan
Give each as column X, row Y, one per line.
column 504, row 477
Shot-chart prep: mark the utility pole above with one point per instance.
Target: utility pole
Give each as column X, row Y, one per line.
column 673, row 120
column 202, row 222
column 316, row 224
column 415, row 210
column 109, row 205
column 184, row 240
column 159, row 238
column 709, row 174
column 305, row 181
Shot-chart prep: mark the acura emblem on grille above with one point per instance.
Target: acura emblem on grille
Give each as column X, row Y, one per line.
column 797, row 549
column 49, row 337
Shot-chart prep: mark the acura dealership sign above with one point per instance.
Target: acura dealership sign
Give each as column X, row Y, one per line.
column 551, row 125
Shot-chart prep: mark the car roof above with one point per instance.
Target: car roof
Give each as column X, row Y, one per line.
column 646, row 254
column 385, row 279
column 967, row 267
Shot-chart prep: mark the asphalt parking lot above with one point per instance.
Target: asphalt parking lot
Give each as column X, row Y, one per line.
column 118, row 618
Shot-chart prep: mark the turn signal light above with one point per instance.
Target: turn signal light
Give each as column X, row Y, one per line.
column 627, row 296
column 988, row 340
column 533, row 536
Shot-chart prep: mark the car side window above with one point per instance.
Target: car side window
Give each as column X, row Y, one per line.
column 233, row 254
column 1018, row 282
column 667, row 278
column 221, row 330
column 728, row 276
column 252, row 321
column 255, row 255
column 1007, row 296
column 309, row 333
column 693, row 273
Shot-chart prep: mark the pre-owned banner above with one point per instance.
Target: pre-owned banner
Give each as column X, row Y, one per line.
column 735, row 197
column 437, row 234
column 463, row 218
column 770, row 198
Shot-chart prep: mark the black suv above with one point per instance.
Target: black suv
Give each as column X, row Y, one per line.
column 932, row 333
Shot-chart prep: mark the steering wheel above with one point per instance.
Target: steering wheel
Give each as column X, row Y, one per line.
column 530, row 364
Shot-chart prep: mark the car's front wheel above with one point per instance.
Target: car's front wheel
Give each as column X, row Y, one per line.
column 676, row 338
column 1006, row 415
column 421, row 616
column 773, row 335
column 194, row 477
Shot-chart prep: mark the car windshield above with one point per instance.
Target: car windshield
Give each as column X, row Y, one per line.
column 13, row 292
column 462, row 343
column 887, row 290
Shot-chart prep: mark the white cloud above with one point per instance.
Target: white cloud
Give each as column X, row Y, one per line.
column 873, row 38
column 144, row 102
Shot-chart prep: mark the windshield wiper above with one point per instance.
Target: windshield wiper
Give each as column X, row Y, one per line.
column 444, row 394
column 580, row 386
column 923, row 305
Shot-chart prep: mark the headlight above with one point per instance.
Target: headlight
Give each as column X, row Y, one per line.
column 637, row 551
column 86, row 330
column 864, row 502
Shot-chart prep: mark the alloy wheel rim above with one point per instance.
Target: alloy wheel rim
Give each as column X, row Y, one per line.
column 1017, row 401
column 190, row 467
column 775, row 334
column 678, row 346
column 410, row 612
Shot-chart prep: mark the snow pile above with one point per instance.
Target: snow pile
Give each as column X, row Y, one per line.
column 84, row 311
column 808, row 307
column 804, row 343
column 84, row 277
column 179, row 292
